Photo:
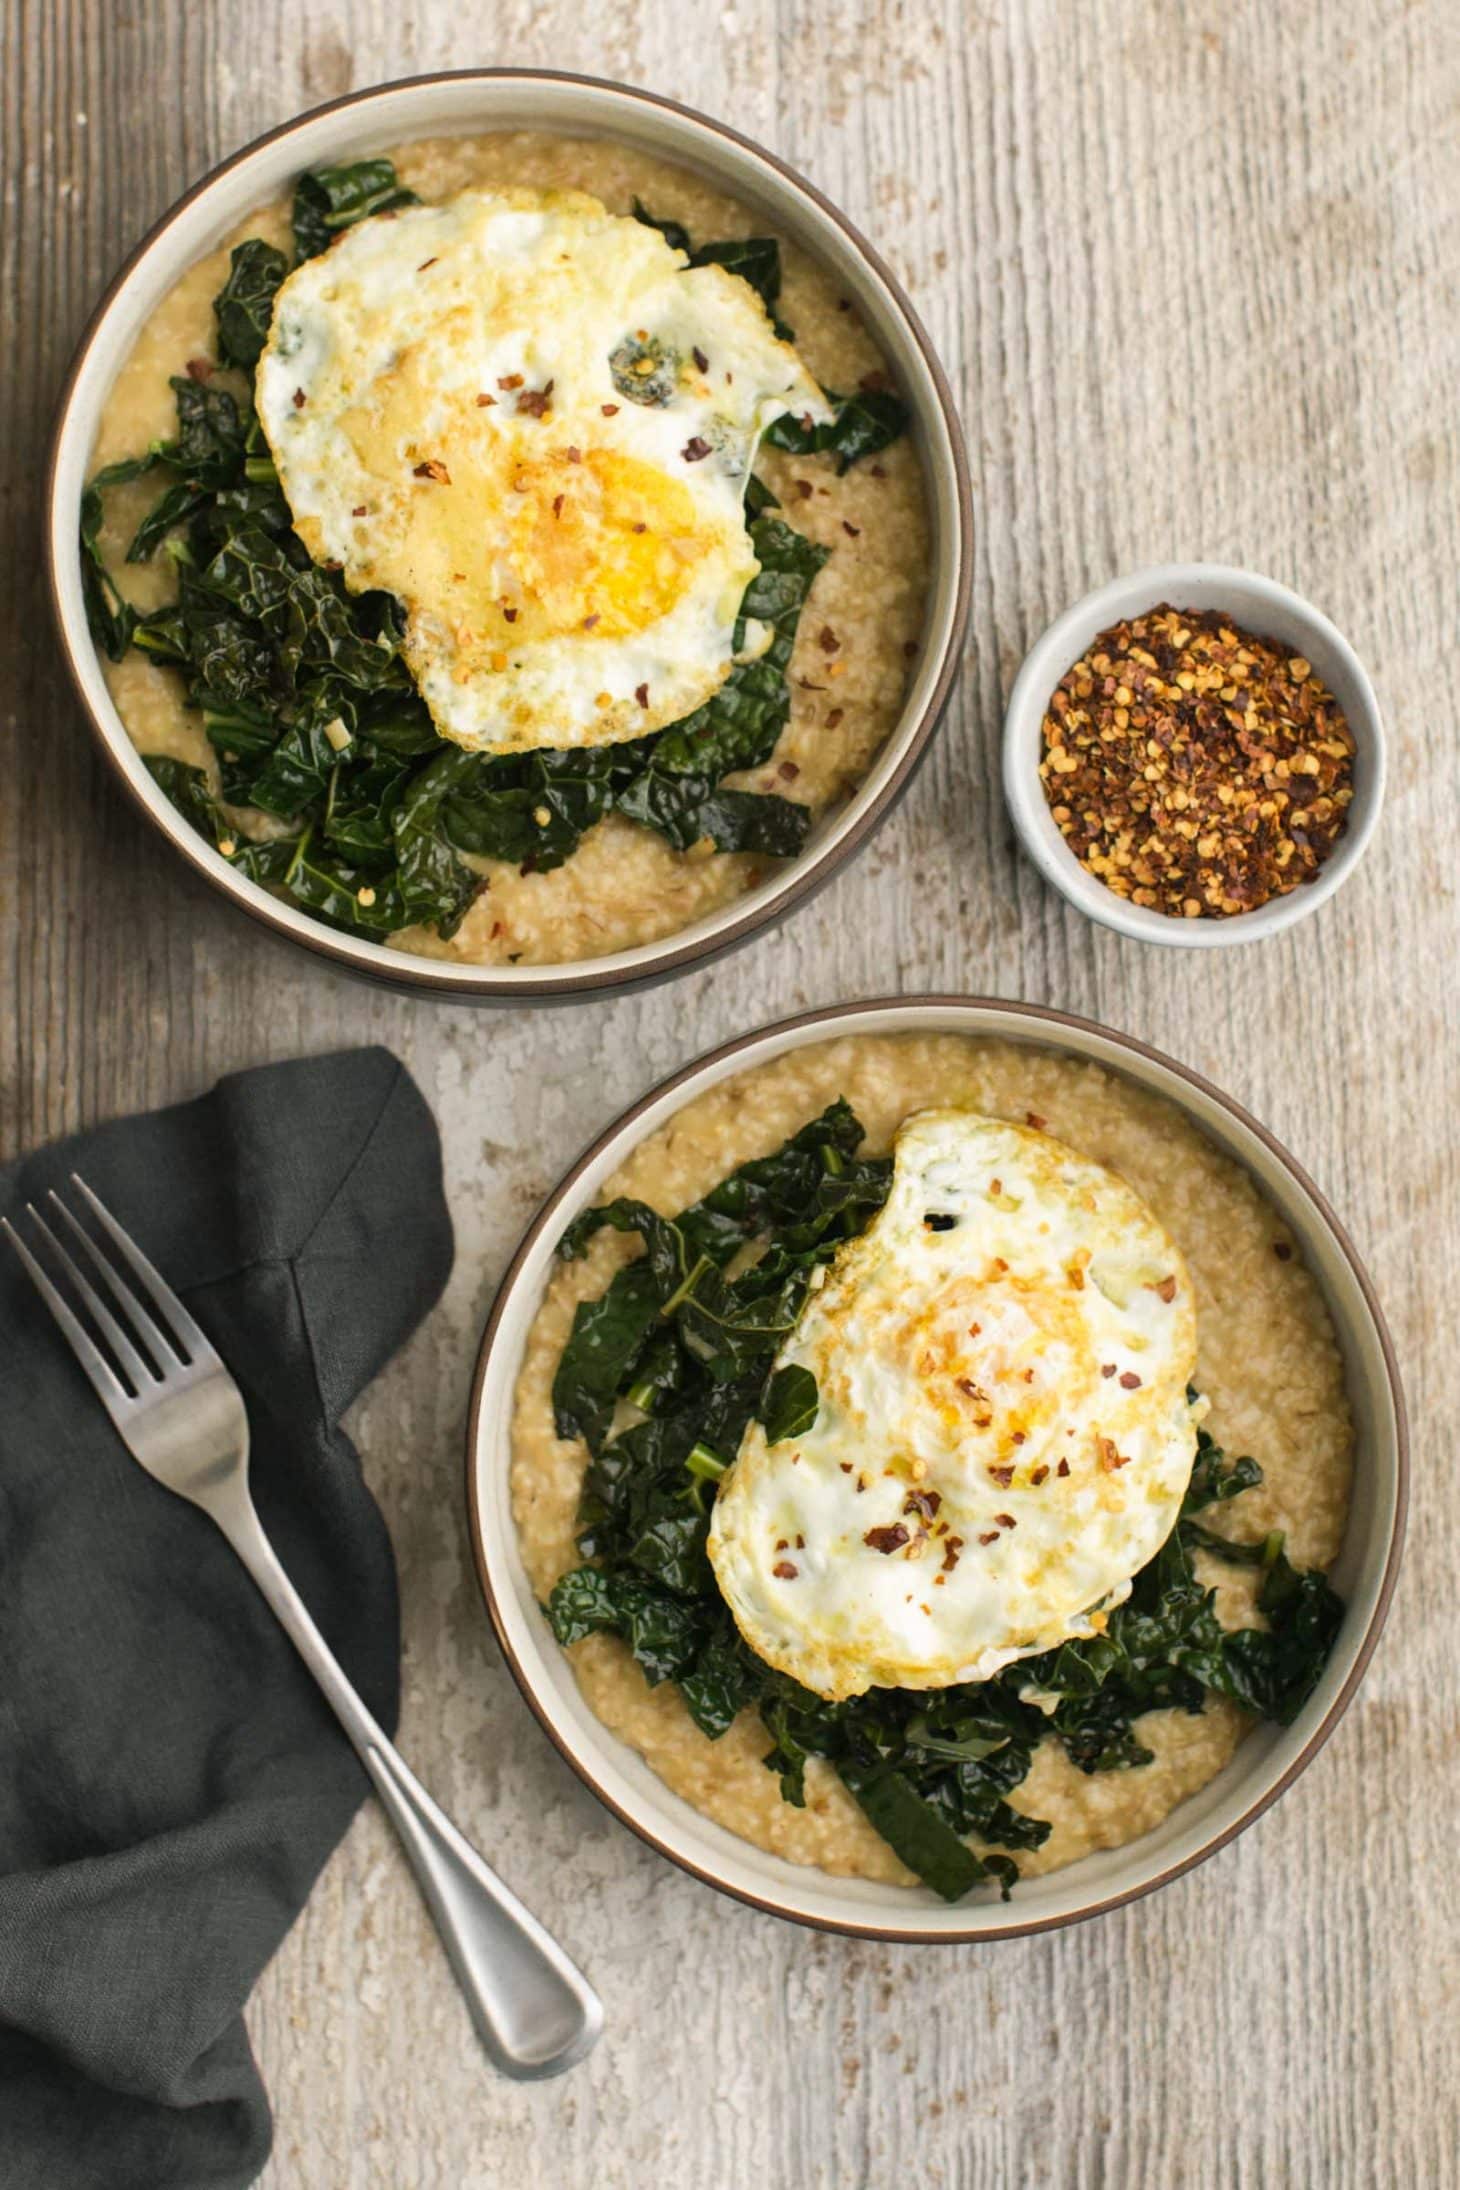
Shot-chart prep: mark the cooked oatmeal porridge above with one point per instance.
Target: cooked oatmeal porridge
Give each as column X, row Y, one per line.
column 624, row 885
column 1267, row 1361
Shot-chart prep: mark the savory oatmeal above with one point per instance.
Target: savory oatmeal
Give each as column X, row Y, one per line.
column 623, row 884
column 1266, row 1362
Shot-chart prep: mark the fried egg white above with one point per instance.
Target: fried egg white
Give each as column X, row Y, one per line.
column 1003, row 1437
column 532, row 422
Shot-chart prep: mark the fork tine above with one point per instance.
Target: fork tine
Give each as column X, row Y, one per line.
column 143, row 1375
column 110, row 1389
column 164, row 1300
column 153, row 1344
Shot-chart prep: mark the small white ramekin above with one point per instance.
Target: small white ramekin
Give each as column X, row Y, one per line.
column 1258, row 605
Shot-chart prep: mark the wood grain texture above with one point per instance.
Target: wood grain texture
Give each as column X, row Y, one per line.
column 1194, row 270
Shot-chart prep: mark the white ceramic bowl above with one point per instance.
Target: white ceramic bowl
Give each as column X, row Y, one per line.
column 1260, row 605
column 472, row 103
column 1267, row 1761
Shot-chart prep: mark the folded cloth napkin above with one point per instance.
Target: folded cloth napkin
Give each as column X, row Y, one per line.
column 171, row 1781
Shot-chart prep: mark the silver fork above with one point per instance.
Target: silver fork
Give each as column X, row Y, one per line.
column 181, row 1415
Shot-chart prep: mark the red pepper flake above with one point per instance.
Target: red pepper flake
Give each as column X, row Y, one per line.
column 1018, row 1437
column 788, row 771
column 496, row 931
column 1108, row 1456
column 1002, row 1476
column 804, row 489
column 1282, row 1250
column 641, row 694
column 641, row 528
column 991, row 1538
column 828, row 641
column 888, row 1539
column 1006, row 1520
column 1166, row 1290
column 1033, row 1119
column 700, row 359
column 1063, row 1468
column 845, row 1466
column 878, row 471
column 800, row 1543
column 509, row 615
column 1038, row 1475
column 510, row 380
column 424, row 264
column 533, row 402
column 834, row 716
column 557, row 505
column 300, row 399
column 575, row 456
column 853, row 532
column 925, row 1502
column 1130, row 1382
column 785, row 1571
column 200, row 368
column 1107, row 1368
column 486, row 402
column 609, row 410
column 695, row 450
column 590, row 621
column 361, row 509
column 433, row 468
column 950, row 1553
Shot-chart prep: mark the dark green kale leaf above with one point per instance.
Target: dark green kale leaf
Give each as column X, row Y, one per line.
column 110, row 616
column 1215, row 1478
column 244, row 305
column 334, row 198
column 756, row 259
column 914, row 1830
column 864, row 425
column 789, row 1405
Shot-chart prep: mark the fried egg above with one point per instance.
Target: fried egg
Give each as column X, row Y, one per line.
column 531, row 421
column 1003, row 1436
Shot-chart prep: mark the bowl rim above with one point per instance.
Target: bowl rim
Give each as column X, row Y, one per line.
column 836, row 1018
column 848, row 832
column 1028, row 808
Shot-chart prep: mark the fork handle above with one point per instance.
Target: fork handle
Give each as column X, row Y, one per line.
column 535, row 2013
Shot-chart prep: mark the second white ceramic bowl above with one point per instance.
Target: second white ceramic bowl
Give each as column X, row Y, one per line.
column 1266, row 1762
column 1259, row 605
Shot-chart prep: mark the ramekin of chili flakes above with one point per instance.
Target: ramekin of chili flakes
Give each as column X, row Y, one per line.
column 1196, row 768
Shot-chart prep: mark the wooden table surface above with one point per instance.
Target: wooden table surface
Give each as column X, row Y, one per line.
column 1193, row 269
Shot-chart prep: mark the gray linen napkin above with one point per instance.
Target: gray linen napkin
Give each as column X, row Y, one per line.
column 171, row 1782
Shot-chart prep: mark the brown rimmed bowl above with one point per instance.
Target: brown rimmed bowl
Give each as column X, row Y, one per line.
column 1268, row 1760
column 479, row 102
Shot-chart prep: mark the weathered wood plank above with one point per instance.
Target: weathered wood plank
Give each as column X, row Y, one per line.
column 1195, row 273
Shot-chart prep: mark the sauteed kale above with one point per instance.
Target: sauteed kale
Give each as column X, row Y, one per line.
column 660, row 1376
column 304, row 694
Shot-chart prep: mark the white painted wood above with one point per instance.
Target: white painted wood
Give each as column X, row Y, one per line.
column 1194, row 271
